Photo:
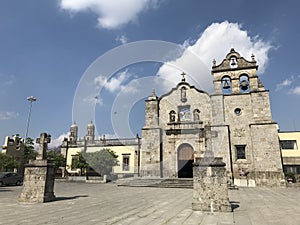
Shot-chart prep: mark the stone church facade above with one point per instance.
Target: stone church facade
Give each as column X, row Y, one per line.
column 234, row 122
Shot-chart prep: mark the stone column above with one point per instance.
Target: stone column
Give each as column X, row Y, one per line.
column 210, row 185
column 39, row 176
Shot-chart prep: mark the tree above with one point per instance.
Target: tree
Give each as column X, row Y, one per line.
column 7, row 162
column 29, row 152
column 102, row 161
column 57, row 158
column 79, row 162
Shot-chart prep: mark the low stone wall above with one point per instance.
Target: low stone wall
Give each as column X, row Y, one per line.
column 261, row 178
column 77, row 178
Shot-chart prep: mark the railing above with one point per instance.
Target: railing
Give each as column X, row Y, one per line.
column 184, row 127
column 108, row 142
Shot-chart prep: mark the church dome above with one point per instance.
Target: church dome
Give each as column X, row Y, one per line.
column 74, row 125
column 90, row 125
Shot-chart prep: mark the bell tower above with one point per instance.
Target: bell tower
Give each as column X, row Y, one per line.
column 151, row 142
column 90, row 136
column 236, row 75
column 73, row 133
column 243, row 105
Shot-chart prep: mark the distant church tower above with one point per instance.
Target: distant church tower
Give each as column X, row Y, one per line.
column 90, row 136
column 73, row 133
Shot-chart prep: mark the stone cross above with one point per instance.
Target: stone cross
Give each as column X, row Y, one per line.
column 43, row 141
column 183, row 77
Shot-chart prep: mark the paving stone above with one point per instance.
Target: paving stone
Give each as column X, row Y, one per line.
column 94, row 204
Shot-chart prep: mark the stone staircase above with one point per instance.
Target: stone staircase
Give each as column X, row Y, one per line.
column 156, row 182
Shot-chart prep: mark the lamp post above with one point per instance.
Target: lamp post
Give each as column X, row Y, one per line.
column 30, row 99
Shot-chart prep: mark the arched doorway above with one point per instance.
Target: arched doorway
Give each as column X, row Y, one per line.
column 185, row 155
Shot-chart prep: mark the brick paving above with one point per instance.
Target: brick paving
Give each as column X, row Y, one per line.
column 81, row 203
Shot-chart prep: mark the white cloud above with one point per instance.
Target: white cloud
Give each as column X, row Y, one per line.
column 58, row 141
column 8, row 115
column 214, row 43
column 290, row 85
column 287, row 82
column 93, row 99
column 122, row 39
column 111, row 14
column 296, row 90
column 115, row 83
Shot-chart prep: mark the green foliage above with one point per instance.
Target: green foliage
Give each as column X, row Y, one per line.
column 29, row 152
column 57, row 159
column 79, row 162
column 290, row 176
column 102, row 161
column 7, row 162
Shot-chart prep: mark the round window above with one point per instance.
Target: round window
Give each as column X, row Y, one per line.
column 237, row 111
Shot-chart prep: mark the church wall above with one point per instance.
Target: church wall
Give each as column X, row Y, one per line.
column 261, row 106
column 194, row 100
column 240, row 134
column 221, row 146
column 267, row 156
column 150, row 152
column 254, row 129
column 217, row 104
column 170, row 151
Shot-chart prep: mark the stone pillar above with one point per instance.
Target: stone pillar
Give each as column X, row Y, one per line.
column 39, row 176
column 210, row 185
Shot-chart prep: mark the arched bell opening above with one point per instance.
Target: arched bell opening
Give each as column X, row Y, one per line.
column 226, row 85
column 244, row 83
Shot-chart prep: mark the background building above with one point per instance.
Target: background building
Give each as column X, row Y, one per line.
column 290, row 150
column 126, row 149
column 14, row 147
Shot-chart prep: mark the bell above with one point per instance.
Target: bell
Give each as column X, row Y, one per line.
column 226, row 84
column 244, row 85
column 233, row 63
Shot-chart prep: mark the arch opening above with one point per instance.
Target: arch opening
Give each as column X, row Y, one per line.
column 185, row 155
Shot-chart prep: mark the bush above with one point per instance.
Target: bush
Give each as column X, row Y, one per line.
column 290, row 177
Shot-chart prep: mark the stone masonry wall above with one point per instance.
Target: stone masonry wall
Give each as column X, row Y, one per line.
column 210, row 186
column 38, row 182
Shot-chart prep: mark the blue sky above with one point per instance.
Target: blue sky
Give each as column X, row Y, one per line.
column 47, row 46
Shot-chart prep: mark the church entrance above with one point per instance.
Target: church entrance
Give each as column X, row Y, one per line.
column 185, row 161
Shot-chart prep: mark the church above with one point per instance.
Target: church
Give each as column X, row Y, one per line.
column 234, row 122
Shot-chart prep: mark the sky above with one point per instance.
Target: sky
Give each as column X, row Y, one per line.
column 98, row 60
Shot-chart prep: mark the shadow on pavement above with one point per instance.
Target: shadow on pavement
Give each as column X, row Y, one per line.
column 4, row 190
column 234, row 205
column 70, row 198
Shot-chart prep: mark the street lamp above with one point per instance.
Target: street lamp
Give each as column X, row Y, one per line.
column 30, row 99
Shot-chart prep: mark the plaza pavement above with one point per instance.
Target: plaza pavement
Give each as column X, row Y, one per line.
column 82, row 203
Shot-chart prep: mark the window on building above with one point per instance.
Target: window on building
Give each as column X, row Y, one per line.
column 291, row 169
column 288, row 144
column 125, row 164
column 240, row 151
